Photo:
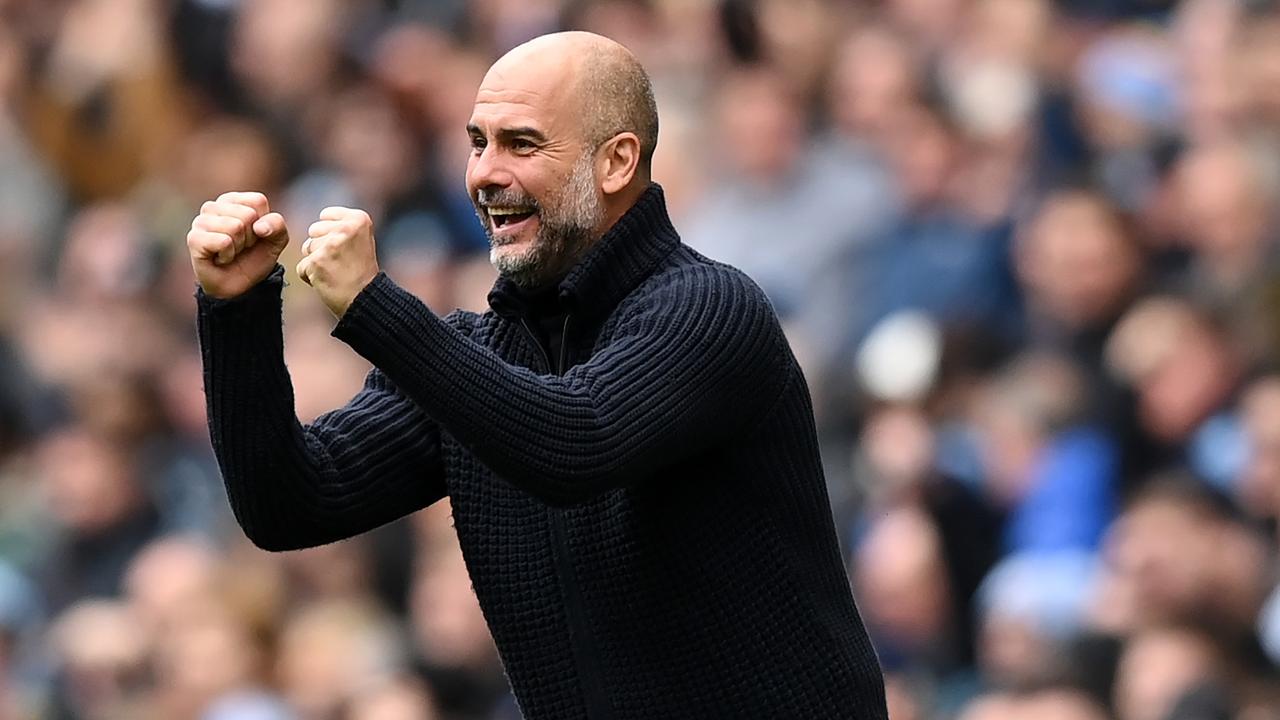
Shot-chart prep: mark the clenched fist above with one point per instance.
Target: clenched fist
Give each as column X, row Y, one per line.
column 339, row 257
column 234, row 243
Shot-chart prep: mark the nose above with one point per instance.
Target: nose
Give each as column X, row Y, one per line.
column 487, row 170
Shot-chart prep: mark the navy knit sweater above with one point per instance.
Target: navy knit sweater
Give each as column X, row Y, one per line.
column 643, row 513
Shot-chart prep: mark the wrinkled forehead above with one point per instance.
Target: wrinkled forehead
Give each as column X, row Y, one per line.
column 526, row 95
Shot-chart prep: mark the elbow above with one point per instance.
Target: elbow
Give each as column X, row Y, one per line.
column 269, row 541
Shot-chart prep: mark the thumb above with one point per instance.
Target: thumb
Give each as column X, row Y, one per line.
column 270, row 227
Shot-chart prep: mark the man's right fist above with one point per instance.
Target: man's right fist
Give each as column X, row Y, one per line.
column 234, row 243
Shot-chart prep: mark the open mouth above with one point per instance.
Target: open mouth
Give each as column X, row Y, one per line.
column 509, row 217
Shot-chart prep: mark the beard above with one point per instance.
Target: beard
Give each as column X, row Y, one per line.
column 567, row 223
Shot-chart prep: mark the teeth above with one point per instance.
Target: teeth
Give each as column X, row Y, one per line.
column 508, row 211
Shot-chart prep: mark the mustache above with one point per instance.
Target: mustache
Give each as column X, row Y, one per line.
column 504, row 197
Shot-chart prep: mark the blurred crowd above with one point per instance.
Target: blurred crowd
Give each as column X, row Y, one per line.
column 1026, row 252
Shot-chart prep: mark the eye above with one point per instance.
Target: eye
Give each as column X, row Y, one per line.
column 477, row 144
column 522, row 145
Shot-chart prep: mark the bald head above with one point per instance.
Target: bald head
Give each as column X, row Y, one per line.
column 599, row 84
column 562, row 139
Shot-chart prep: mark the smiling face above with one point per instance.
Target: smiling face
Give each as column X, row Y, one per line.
column 532, row 173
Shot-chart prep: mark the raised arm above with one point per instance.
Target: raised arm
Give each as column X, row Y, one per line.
column 292, row 485
column 700, row 361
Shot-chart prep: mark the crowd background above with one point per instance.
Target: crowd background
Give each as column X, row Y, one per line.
column 1026, row 252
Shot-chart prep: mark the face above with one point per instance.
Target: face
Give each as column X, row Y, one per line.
column 531, row 175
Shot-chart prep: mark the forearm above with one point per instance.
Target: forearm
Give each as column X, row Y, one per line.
column 658, row 395
column 291, row 485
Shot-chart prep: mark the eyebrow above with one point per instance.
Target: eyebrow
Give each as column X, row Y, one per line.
column 510, row 133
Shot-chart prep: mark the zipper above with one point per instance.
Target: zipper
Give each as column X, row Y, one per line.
column 585, row 655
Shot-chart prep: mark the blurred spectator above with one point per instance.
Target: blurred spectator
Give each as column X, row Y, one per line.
column 1045, row 704
column 101, row 511
column 1185, row 375
column 1178, row 554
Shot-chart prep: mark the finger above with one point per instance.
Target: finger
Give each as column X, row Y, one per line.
column 232, row 227
column 336, row 212
column 206, row 245
column 243, row 214
column 304, row 270
column 255, row 200
column 271, row 227
column 321, row 227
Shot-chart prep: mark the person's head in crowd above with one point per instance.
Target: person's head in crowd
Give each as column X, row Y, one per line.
column 223, row 152
column 1161, row 664
column 105, row 255
column 100, row 651
column 900, row 579
column 1078, row 261
column 1040, row 703
column 337, row 571
column 1259, row 63
column 92, row 484
column 930, row 24
column 402, row 698
column 329, row 651
column 169, row 577
column 899, row 447
column 1228, row 213
column 1258, row 488
column 760, row 125
column 1016, row 413
column 1031, row 606
column 1177, row 554
column 875, row 77
column 122, row 407
column 1202, row 35
column 448, row 628
column 797, row 37
column 1016, row 32
column 1177, row 360
column 1126, row 90
column 285, row 53
column 366, row 139
column 324, row 372
column 206, row 654
column 923, row 150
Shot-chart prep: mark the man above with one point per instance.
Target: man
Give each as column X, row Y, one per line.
column 625, row 438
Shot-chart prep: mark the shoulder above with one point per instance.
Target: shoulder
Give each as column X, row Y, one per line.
column 691, row 280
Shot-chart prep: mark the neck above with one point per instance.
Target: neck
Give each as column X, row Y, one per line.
column 617, row 204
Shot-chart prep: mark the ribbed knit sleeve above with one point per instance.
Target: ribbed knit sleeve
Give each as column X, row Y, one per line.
column 294, row 486
column 699, row 361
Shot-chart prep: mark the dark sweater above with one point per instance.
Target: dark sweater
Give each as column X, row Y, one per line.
column 643, row 516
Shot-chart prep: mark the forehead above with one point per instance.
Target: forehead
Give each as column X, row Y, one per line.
column 530, row 96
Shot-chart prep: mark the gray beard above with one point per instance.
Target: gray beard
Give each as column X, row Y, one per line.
column 566, row 228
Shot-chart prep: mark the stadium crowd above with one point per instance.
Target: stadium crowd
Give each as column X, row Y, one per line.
column 1026, row 252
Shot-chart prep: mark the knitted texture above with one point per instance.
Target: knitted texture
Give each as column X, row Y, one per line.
column 644, row 517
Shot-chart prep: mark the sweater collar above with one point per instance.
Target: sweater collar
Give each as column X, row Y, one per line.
column 611, row 268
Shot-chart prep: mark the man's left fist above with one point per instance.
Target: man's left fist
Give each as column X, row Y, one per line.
column 339, row 257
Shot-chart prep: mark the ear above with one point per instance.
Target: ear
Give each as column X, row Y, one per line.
column 618, row 161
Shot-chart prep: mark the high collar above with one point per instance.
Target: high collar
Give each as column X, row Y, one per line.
column 611, row 268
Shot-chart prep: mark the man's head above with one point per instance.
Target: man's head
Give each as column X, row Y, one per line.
column 562, row 138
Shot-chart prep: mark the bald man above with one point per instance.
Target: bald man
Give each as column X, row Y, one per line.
column 625, row 438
